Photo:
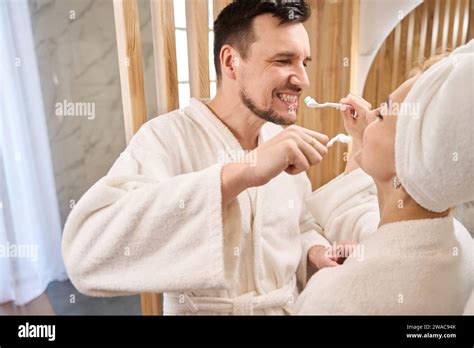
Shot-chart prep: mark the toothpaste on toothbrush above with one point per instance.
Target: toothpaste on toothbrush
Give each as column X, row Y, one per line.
column 341, row 138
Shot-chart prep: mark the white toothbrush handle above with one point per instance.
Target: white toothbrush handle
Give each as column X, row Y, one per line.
column 325, row 105
column 312, row 105
column 333, row 105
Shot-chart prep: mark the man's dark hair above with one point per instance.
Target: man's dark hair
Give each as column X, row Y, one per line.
column 234, row 27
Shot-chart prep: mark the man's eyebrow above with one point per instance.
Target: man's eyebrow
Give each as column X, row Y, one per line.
column 289, row 55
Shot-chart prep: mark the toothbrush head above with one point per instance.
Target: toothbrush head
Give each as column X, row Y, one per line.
column 308, row 100
column 341, row 138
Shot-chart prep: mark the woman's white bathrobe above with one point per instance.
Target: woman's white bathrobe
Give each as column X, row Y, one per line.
column 155, row 223
column 408, row 267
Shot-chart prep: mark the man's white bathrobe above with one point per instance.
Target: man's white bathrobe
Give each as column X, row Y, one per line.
column 409, row 267
column 155, row 223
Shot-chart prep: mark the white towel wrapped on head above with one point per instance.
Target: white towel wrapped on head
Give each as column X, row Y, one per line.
column 434, row 151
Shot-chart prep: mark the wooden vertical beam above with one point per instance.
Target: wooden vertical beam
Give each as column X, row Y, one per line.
column 410, row 41
column 456, row 22
column 151, row 304
column 166, row 76
column 382, row 86
column 197, row 22
column 423, row 32
column 351, row 14
column 164, row 48
column 333, row 66
column 396, row 57
column 127, row 26
column 402, row 63
column 355, row 33
column 466, row 6
column 434, row 32
column 416, row 32
column 470, row 32
column 311, row 118
column 445, row 29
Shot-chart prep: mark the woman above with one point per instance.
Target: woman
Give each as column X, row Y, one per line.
column 420, row 259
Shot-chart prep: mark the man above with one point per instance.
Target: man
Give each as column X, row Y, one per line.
column 178, row 213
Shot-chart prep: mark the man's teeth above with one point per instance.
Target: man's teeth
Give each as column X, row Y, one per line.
column 288, row 97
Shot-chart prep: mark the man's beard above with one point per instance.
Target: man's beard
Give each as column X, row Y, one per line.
column 268, row 115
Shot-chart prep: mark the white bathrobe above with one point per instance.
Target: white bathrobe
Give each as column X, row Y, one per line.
column 155, row 223
column 409, row 267
column 464, row 213
column 347, row 207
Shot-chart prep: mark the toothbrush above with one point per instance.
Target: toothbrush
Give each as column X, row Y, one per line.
column 342, row 138
column 311, row 103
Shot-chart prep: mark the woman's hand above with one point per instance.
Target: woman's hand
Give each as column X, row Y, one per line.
column 320, row 256
column 355, row 116
column 342, row 251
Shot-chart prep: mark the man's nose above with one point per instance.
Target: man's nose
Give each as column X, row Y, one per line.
column 300, row 78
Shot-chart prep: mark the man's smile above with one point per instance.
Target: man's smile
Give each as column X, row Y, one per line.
column 288, row 100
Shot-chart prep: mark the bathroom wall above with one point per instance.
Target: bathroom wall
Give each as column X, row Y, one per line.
column 383, row 15
column 77, row 57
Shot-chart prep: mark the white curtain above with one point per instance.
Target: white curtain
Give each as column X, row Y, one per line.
column 30, row 228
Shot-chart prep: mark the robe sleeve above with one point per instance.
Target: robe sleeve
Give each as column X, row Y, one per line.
column 347, row 207
column 465, row 214
column 311, row 235
column 142, row 228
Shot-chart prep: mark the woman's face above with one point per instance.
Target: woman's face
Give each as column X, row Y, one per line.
column 377, row 155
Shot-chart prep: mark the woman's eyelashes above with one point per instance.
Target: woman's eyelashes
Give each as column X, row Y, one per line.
column 378, row 113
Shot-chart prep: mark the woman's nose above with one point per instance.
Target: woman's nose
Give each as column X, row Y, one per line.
column 370, row 116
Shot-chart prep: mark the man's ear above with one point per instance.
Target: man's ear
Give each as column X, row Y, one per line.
column 229, row 62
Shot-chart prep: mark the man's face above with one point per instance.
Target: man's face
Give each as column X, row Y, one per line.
column 272, row 76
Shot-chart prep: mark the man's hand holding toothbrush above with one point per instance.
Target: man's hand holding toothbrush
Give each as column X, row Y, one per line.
column 293, row 151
